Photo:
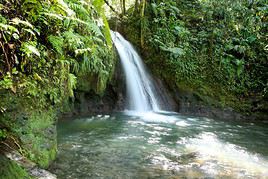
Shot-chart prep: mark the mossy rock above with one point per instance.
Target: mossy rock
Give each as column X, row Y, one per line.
column 88, row 82
column 33, row 129
column 11, row 170
column 39, row 138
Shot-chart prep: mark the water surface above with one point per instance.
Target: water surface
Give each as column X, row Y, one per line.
column 160, row 145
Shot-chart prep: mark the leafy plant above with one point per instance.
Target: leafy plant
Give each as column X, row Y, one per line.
column 214, row 45
column 3, row 134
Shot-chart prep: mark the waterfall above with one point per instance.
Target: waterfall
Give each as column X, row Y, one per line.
column 140, row 88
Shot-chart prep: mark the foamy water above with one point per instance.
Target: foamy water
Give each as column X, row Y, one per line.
column 160, row 145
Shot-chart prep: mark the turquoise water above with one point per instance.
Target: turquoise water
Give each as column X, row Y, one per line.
column 167, row 145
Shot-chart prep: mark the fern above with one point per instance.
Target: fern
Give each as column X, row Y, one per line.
column 105, row 27
column 17, row 21
column 74, row 66
column 62, row 8
column 29, row 48
column 80, row 11
column 95, row 29
column 74, row 41
column 8, row 28
column 82, row 51
column 53, row 15
column 87, row 26
column 57, row 43
column 71, row 83
column 74, row 30
column 90, row 26
column 29, row 31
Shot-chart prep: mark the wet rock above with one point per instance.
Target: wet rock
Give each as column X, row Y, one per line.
column 168, row 102
column 186, row 158
column 41, row 174
column 191, row 103
column 32, row 169
column 89, row 102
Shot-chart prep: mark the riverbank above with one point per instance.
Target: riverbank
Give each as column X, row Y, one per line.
column 167, row 145
column 190, row 77
column 57, row 58
column 48, row 49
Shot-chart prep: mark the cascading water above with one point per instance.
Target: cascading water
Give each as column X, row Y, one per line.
column 140, row 89
column 163, row 144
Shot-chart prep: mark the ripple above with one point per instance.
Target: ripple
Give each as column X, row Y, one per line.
column 160, row 145
column 182, row 124
column 214, row 154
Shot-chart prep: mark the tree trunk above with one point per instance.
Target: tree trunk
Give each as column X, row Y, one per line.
column 136, row 9
column 124, row 7
column 143, row 2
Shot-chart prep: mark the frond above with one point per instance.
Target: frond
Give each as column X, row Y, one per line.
column 71, row 83
column 29, row 48
column 74, row 66
column 81, row 12
column 57, row 43
column 62, row 8
column 73, row 40
column 95, row 29
column 86, row 64
column 18, row 21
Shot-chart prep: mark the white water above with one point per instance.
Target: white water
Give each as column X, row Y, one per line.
column 213, row 156
column 140, row 89
column 123, row 146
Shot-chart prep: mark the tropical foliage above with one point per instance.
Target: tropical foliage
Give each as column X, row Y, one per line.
column 46, row 45
column 47, row 49
column 217, row 48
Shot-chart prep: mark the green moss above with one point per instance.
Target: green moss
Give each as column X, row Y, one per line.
column 38, row 137
column 87, row 82
column 222, row 68
column 45, row 157
column 34, row 129
column 33, row 93
column 11, row 170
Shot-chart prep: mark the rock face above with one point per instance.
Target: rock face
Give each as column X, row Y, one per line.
column 15, row 165
column 174, row 99
column 191, row 103
column 87, row 102
column 114, row 97
column 32, row 131
column 169, row 102
column 90, row 103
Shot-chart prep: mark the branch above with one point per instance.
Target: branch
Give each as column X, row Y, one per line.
column 6, row 57
column 111, row 7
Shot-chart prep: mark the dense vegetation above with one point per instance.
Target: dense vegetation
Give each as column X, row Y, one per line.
column 48, row 48
column 215, row 48
column 46, row 45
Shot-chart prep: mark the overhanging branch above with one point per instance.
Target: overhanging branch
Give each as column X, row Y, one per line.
column 111, row 7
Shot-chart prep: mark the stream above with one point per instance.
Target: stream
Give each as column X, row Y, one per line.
column 145, row 141
column 160, row 145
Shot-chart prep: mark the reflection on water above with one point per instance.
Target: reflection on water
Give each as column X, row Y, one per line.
column 162, row 145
